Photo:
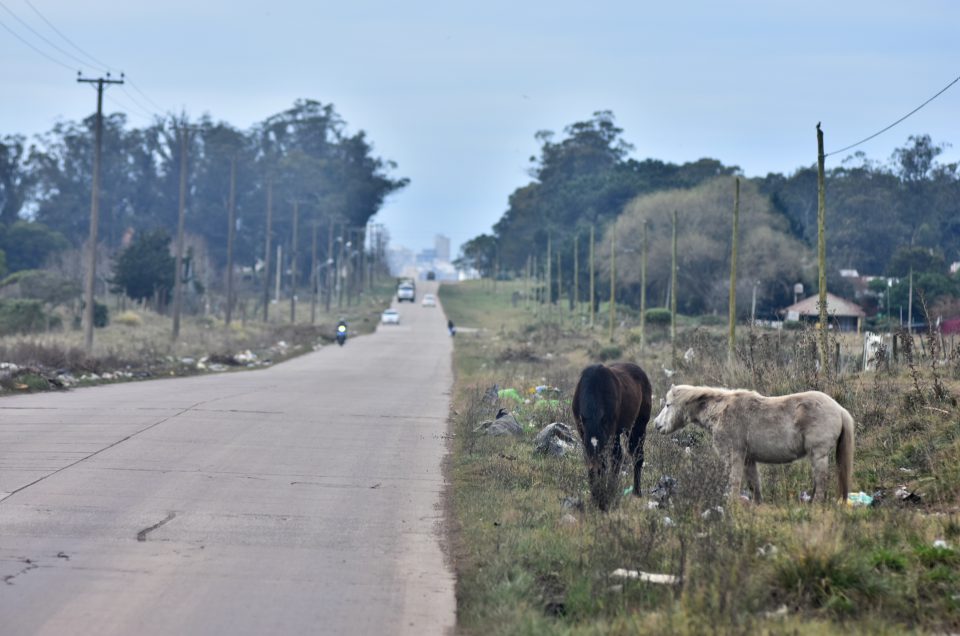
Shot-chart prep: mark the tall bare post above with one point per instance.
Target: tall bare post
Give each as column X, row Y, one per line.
column 526, row 283
column 266, row 252
column 592, row 278
column 182, row 208
column 575, row 301
column 314, row 283
column 231, row 230
column 613, row 277
column 560, row 280
column 549, row 270
column 328, row 272
column 91, row 280
column 643, row 288
column 822, row 251
column 294, row 253
column 910, row 306
column 732, row 336
column 673, row 294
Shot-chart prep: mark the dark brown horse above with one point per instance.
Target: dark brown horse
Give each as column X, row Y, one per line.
column 611, row 400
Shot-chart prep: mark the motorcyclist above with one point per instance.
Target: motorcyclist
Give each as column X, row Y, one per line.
column 341, row 331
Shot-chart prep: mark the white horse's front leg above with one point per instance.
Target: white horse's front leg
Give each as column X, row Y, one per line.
column 735, row 462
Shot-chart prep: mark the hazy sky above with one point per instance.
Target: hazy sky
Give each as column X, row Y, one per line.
column 454, row 91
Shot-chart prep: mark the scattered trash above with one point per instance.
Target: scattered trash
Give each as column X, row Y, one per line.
column 767, row 550
column 556, row 440
column 906, row 496
column 627, row 490
column 512, row 394
column 651, row 505
column 667, row 372
column 712, row 514
column 571, row 503
column 859, row 499
column 805, row 498
column 568, row 520
column 504, row 424
column 941, row 544
column 492, row 394
column 663, row 579
column 664, row 489
column 780, row 612
column 668, row 522
column 689, row 355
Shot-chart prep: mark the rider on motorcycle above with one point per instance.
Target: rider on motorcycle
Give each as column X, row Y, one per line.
column 341, row 331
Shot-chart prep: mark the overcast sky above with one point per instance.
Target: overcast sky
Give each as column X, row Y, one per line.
column 454, row 91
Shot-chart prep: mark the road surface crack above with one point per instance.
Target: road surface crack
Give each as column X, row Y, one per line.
column 142, row 535
column 31, row 565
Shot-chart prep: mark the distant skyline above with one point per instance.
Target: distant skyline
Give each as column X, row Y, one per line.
column 454, row 93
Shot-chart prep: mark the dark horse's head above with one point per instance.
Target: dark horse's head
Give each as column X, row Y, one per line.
column 596, row 411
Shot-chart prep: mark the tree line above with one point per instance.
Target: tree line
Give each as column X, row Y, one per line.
column 305, row 154
column 884, row 219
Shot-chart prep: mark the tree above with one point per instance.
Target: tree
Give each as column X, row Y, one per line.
column 15, row 178
column 480, row 253
column 29, row 245
column 145, row 270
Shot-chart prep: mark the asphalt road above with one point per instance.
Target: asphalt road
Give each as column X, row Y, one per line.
column 304, row 498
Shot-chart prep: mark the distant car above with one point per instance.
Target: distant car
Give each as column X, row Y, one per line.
column 429, row 300
column 406, row 291
column 431, row 275
column 390, row 317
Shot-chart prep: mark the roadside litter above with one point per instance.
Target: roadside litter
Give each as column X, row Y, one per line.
column 662, row 579
column 504, row 424
column 511, row 394
column 859, row 499
column 556, row 440
column 664, row 489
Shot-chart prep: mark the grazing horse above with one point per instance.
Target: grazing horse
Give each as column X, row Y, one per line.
column 608, row 401
column 748, row 428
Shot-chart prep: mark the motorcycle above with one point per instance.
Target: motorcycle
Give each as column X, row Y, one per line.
column 341, row 334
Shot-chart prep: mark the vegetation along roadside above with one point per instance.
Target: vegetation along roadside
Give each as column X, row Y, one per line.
column 534, row 556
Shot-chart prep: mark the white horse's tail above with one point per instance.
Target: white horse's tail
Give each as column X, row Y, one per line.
column 845, row 455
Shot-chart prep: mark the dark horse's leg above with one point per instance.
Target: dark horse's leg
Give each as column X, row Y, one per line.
column 637, row 435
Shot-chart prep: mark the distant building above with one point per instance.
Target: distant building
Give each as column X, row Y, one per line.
column 842, row 313
column 441, row 247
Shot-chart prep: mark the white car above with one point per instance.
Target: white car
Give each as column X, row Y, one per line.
column 390, row 317
column 429, row 300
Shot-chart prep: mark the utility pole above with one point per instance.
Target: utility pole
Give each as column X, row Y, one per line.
column 231, row 230
column 313, row 276
column 643, row 288
column 592, row 291
column 181, row 214
column 732, row 336
column 549, row 271
column 328, row 274
column 293, row 264
column 673, row 294
column 266, row 252
column 613, row 277
column 94, row 210
column 575, row 301
column 822, row 250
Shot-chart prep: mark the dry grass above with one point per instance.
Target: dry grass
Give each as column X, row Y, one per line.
column 529, row 565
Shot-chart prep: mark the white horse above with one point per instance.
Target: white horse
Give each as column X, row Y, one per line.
column 748, row 428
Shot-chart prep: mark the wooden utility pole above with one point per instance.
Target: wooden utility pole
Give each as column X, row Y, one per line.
column 328, row 272
column 643, row 288
column 526, row 283
column 313, row 276
column 91, row 280
column 560, row 280
column 592, row 279
column 181, row 214
column 575, row 301
column 549, row 270
column 673, row 294
column 613, row 277
column 294, row 252
column 231, row 230
column 266, row 251
column 732, row 336
column 822, row 251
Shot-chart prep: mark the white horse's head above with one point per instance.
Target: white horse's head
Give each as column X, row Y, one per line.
column 669, row 418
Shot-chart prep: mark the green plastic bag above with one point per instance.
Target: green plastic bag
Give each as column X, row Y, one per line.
column 510, row 393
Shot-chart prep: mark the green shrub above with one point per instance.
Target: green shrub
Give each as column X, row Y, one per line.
column 658, row 316
column 22, row 316
column 792, row 325
column 713, row 320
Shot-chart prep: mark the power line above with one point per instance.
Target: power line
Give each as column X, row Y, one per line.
column 65, row 38
column 43, row 53
column 41, row 36
column 880, row 132
column 145, row 96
